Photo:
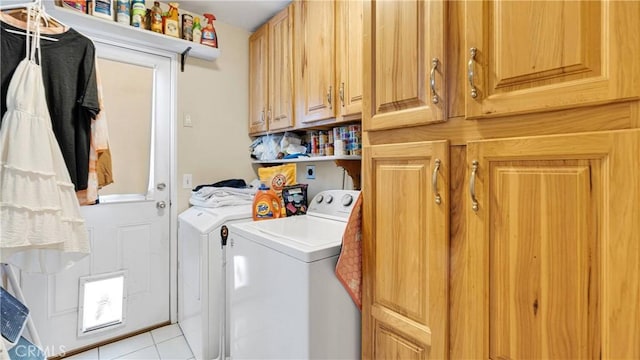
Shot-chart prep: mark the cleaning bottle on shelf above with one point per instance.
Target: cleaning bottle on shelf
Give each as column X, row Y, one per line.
column 209, row 36
column 196, row 31
column 266, row 204
column 138, row 13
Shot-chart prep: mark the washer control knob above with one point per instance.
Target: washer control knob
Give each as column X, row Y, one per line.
column 319, row 199
column 329, row 199
column 347, row 200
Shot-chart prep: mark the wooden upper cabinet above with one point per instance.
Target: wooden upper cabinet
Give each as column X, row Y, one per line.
column 315, row 60
column 553, row 248
column 406, row 251
column 280, row 111
column 541, row 55
column 258, row 80
column 403, row 52
column 349, row 58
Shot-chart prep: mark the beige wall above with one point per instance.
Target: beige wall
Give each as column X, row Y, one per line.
column 216, row 96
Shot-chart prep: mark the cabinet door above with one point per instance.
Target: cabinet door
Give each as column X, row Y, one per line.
column 280, row 112
column 554, row 248
column 542, row 55
column 258, row 70
column 315, row 60
column 406, row 251
column 402, row 40
column 349, row 57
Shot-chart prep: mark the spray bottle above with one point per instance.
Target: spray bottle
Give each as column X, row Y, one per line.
column 209, row 36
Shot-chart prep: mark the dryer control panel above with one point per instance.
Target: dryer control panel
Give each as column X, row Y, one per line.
column 333, row 204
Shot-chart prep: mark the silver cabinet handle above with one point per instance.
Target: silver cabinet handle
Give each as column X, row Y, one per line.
column 434, row 182
column 329, row 97
column 269, row 114
column 434, row 66
column 474, row 91
column 161, row 204
column 341, row 92
column 262, row 115
column 472, row 185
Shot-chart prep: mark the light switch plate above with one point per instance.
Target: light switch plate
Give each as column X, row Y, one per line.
column 187, row 181
column 187, row 121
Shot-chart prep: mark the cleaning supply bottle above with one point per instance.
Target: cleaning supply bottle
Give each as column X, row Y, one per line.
column 209, row 36
column 156, row 17
column 123, row 11
column 196, row 31
column 266, row 204
column 138, row 13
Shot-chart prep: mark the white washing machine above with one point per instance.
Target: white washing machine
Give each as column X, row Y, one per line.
column 202, row 290
column 286, row 301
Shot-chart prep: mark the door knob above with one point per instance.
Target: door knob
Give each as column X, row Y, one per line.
column 161, row 204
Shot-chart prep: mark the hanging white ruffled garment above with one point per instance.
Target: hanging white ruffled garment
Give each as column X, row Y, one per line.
column 41, row 228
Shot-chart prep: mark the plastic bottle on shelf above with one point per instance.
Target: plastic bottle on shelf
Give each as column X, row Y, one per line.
column 171, row 23
column 209, row 36
column 156, row 17
column 138, row 13
column 196, row 31
column 123, row 11
column 266, row 204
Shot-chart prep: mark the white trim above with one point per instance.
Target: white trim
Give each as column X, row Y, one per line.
column 173, row 193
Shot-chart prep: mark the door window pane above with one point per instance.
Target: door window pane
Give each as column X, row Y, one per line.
column 128, row 104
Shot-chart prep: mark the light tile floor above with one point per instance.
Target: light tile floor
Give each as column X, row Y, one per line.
column 165, row 343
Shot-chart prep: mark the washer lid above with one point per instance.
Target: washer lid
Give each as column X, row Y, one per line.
column 304, row 237
column 207, row 219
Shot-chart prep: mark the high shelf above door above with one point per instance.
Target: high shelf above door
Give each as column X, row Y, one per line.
column 112, row 30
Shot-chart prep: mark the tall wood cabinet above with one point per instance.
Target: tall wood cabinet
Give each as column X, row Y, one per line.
column 541, row 204
column 406, row 262
column 553, row 247
column 271, row 93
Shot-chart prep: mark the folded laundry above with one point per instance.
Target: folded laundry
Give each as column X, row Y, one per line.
column 222, row 196
column 234, row 183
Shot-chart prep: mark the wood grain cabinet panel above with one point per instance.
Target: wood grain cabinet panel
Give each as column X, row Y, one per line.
column 315, row 61
column 349, row 58
column 280, row 112
column 402, row 41
column 553, row 249
column 544, row 55
column 258, row 81
column 271, row 75
column 406, row 255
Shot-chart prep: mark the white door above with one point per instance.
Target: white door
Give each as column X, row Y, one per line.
column 130, row 228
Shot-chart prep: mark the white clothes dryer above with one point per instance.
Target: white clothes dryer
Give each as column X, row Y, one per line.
column 286, row 301
column 202, row 290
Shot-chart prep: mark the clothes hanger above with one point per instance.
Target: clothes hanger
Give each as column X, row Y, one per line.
column 14, row 14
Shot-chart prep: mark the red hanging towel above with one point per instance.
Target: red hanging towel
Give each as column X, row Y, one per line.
column 349, row 266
